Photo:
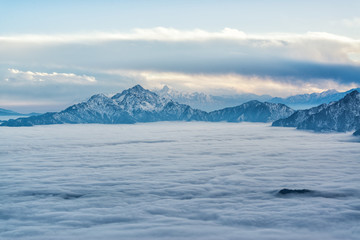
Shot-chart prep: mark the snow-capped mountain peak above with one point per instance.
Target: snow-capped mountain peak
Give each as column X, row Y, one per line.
column 139, row 99
column 98, row 98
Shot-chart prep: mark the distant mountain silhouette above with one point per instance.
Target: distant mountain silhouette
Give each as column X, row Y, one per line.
column 209, row 102
column 313, row 99
column 253, row 111
column 140, row 105
column 5, row 112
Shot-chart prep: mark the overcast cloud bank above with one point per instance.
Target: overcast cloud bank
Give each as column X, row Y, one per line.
column 62, row 67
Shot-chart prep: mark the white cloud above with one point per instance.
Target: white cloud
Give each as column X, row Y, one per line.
column 171, row 34
column 278, row 64
column 18, row 77
column 315, row 46
column 355, row 57
column 232, row 83
column 353, row 22
column 151, row 34
column 168, row 181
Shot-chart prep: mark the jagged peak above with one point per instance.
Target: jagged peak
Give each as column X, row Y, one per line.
column 329, row 91
column 252, row 102
column 138, row 98
column 137, row 89
column 97, row 97
column 352, row 94
column 100, row 95
column 277, row 104
column 353, row 89
column 165, row 88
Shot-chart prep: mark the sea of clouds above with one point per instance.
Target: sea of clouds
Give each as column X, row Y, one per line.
column 177, row 181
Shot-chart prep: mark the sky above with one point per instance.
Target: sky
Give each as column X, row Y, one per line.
column 56, row 53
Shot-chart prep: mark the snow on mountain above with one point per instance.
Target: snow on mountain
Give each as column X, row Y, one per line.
column 98, row 109
column 138, row 99
column 140, row 105
column 340, row 116
column 299, row 116
column 313, row 99
column 208, row 102
column 172, row 94
column 195, row 100
column 253, row 111
column 133, row 105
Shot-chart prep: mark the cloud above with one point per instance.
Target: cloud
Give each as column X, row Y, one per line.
column 352, row 23
column 229, row 60
column 18, row 77
column 152, row 34
column 177, row 181
column 30, row 91
column 355, row 57
column 175, row 35
column 232, row 83
column 318, row 46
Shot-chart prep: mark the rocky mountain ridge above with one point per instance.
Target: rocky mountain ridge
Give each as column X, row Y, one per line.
column 140, row 105
column 339, row 116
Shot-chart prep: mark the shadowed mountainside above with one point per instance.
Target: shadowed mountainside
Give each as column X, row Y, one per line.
column 339, row 116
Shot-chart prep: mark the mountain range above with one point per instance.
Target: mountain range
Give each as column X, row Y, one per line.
column 5, row 112
column 140, row 105
column 339, row 116
column 209, row 102
column 137, row 104
column 303, row 101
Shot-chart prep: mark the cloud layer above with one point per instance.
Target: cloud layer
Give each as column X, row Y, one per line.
column 20, row 77
column 177, row 181
column 316, row 46
column 276, row 63
column 231, row 83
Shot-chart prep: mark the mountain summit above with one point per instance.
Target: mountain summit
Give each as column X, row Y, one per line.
column 137, row 99
column 132, row 105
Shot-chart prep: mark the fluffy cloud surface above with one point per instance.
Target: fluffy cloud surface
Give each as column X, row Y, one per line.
column 177, row 181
